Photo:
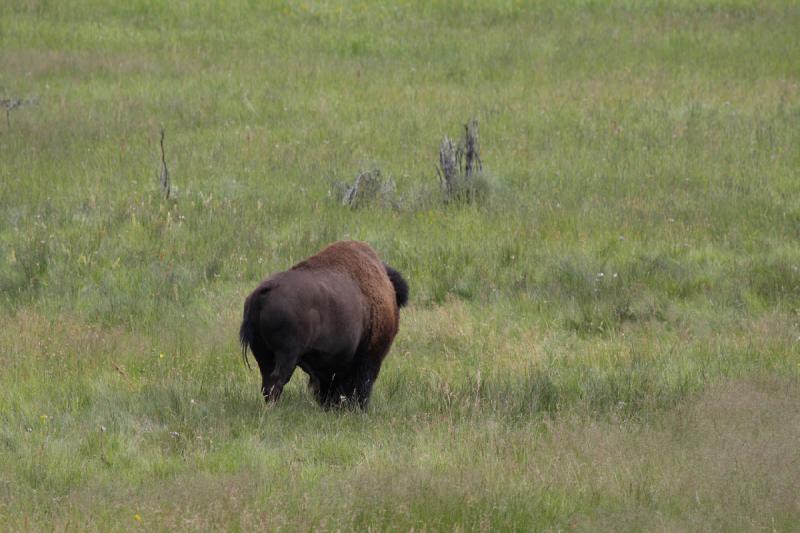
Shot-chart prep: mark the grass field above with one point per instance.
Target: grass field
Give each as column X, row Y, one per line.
column 607, row 338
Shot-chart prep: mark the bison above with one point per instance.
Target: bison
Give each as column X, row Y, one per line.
column 334, row 315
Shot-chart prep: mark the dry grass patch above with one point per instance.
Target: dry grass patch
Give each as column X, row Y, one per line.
column 724, row 462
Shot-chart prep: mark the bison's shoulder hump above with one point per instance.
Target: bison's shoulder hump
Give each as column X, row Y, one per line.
column 344, row 256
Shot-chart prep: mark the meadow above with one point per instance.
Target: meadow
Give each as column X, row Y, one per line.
column 607, row 337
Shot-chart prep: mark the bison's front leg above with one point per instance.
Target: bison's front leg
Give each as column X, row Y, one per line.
column 363, row 381
column 364, row 375
column 274, row 381
column 354, row 387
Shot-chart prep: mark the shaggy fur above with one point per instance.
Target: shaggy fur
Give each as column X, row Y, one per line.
column 334, row 315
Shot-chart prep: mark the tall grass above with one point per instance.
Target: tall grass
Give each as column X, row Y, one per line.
column 584, row 344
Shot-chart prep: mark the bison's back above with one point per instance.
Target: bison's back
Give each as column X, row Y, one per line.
column 322, row 312
column 359, row 261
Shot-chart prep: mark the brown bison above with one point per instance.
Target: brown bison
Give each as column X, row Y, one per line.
column 334, row 315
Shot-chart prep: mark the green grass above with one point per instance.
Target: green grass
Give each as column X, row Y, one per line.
column 607, row 338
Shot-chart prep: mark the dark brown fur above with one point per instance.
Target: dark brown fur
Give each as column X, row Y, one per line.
column 334, row 315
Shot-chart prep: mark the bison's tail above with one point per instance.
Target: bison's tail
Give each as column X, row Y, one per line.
column 400, row 285
column 247, row 331
column 246, row 334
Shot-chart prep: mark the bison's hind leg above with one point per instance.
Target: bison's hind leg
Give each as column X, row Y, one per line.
column 274, row 381
column 325, row 388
